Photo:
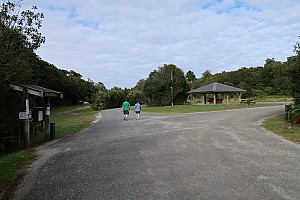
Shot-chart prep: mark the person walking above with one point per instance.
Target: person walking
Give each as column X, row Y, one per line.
column 137, row 109
column 125, row 109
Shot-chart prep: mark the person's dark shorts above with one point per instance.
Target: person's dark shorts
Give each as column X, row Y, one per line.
column 126, row 112
column 137, row 112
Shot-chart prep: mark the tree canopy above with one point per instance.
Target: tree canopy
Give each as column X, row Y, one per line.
column 166, row 86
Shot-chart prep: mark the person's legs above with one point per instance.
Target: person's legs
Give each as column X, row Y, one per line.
column 126, row 113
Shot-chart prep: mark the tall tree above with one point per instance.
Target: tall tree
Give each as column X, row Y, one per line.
column 19, row 37
column 165, row 86
column 26, row 22
column 295, row 71
column 190, row 76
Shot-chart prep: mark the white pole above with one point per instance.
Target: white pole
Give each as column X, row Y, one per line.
column 172, row 88
column 227, row 99
column 47, row 119
column 27, row 125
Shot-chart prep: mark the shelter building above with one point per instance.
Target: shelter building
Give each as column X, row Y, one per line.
column 215, row 89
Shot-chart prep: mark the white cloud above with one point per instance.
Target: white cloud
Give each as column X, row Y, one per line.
column 119, row 42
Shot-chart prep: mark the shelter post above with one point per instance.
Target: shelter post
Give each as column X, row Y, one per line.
column 47, row 119
column 215, row 98
column 26, row 121
column 203, row 99
column 227, row 99
column 240, row 96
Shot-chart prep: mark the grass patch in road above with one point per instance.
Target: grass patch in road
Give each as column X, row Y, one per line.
column 177, row 109
column 280, row 126
column 11, row 167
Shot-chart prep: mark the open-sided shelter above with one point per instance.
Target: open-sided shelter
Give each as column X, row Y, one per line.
column 215, row 89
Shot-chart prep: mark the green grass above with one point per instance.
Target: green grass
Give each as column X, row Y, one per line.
column 274, row 99
column 72, row 120
column 12, row 165
column 177, row 109
column 282, row 127
column 67, row 120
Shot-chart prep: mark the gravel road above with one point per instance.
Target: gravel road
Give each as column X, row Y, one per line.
column 210, row 155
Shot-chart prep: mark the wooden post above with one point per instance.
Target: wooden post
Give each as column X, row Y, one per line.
column 227, row 99
column 240, row 97
column 203, row 99
column 172, row 91
column 27, row 125
column 47, row 119
column 215, row 98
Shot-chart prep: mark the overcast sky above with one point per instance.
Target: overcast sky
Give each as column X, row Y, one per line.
column 118, row 42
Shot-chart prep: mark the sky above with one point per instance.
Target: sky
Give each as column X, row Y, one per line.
column 119, row 42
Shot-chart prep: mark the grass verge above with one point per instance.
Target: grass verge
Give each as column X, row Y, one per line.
column 67, row 120
column 282, row 127
column 12, row 169
column 274, row 99
column 177, row 109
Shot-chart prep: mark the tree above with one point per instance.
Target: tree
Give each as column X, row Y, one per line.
column 275, row 77
column 19, row 37
column 100, row 100
column 207, row 74
column 100, row 86
column 204, row 80
column 165, row 86
column 294, row 73
column 190, row 76
column 27, row 22
column 140, row 85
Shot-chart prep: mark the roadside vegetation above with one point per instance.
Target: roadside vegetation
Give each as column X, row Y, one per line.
column 12, row 169
column 275, row 98
column 282, row 127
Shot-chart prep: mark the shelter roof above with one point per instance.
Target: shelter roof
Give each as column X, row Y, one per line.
column 216, row 88
column 37, row 90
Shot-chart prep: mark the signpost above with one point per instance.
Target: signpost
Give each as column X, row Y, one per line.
column 41, row 92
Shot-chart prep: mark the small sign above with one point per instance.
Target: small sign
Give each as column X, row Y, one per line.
column 40, row 115
column 50, row 94
column 48, row 111
column 23, row 115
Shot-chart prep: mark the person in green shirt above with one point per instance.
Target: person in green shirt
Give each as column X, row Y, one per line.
column 125, row 109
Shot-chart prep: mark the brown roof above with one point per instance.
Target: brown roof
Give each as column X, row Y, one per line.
column 37, row 90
